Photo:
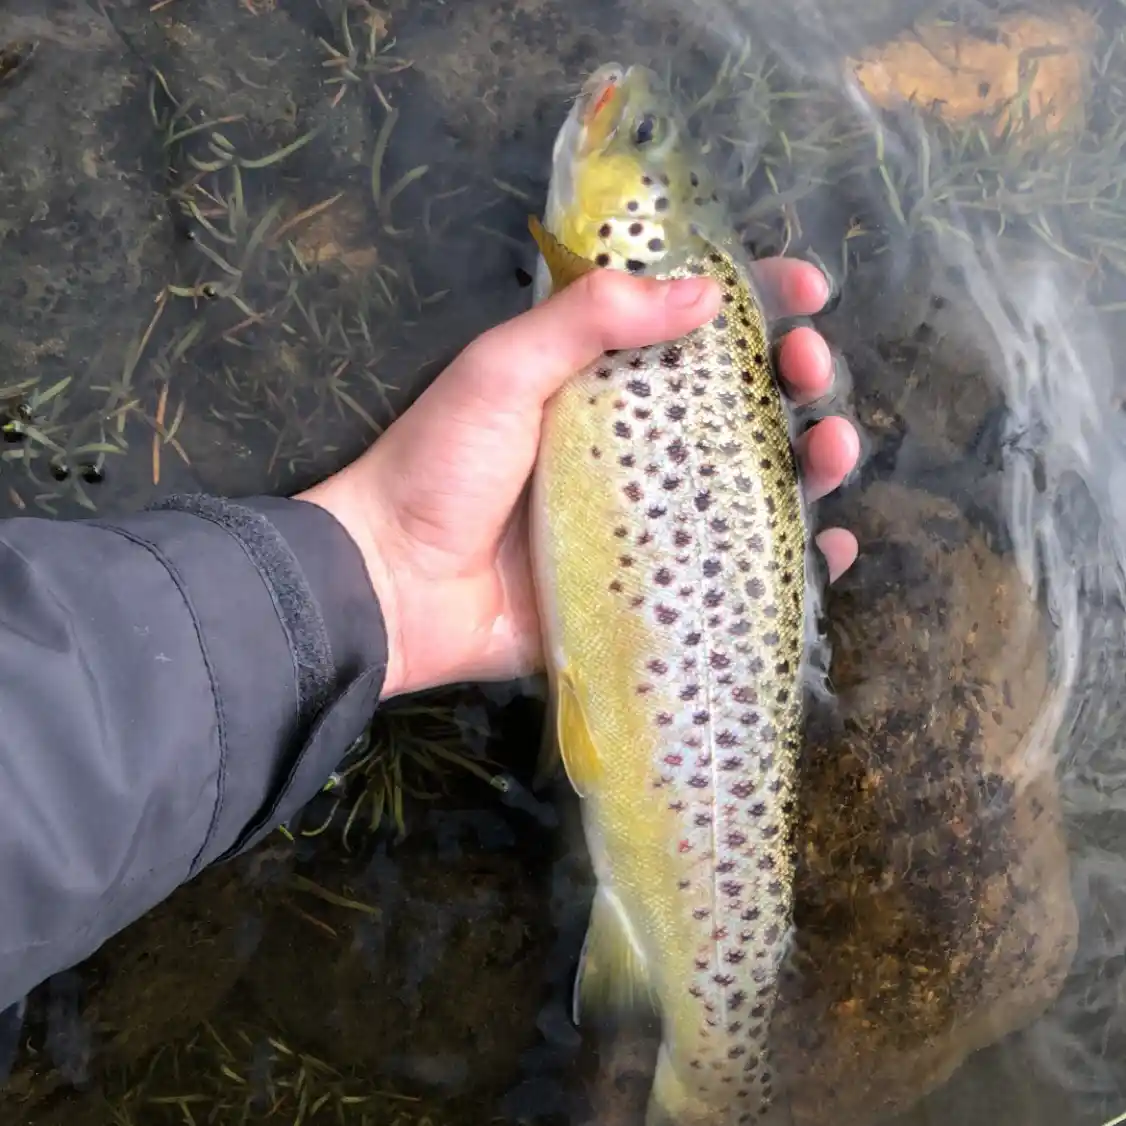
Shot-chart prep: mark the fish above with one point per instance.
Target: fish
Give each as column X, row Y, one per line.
column 670, row 553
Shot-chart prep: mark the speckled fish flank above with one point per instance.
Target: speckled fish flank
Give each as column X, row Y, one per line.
column 670, row 549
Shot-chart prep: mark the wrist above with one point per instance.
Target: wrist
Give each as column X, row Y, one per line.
column 335, row 497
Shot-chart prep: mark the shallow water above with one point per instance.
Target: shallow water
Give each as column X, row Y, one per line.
column 196, row 293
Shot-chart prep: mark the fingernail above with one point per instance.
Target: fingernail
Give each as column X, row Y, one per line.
column 686, row 292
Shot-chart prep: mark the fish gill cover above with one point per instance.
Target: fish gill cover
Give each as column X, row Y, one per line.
column 239, row 236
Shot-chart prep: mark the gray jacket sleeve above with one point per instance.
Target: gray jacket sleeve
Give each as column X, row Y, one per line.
column 173, row 686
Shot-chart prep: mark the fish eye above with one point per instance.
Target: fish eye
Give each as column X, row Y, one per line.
column 646, row 129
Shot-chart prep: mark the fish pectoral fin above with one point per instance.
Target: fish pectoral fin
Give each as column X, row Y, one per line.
column 570, row 739
column 612, row 974
column 565, row 266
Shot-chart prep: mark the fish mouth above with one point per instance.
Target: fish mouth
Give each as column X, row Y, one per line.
column 598, row 90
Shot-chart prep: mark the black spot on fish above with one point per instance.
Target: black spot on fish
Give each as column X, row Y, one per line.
column 636, row 228
column 605, row 230
column 634, row 266
column 602, row 260
column 656, row 244
column 661, row 203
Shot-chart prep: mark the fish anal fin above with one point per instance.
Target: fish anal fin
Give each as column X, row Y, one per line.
column 565, row 266
column 612, row 978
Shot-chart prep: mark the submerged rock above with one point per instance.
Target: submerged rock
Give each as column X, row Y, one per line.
column 934, row 907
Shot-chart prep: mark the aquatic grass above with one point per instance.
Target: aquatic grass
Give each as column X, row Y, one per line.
column 409, row 751
column 915, row 174
column 361, row 64
column 248, row 1074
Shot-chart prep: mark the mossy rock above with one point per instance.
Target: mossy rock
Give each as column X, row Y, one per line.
column 934, row 909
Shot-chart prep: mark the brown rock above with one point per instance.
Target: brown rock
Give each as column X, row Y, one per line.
column 934, row 907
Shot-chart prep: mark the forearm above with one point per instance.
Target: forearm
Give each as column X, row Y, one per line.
column 172, row 686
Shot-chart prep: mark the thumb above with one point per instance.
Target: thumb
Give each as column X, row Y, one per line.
column 524, row 361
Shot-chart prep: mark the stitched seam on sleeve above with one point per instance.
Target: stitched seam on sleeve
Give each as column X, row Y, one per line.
column 220, row 718
column 289, row 590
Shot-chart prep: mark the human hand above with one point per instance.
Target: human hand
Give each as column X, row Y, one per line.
column 437, row 505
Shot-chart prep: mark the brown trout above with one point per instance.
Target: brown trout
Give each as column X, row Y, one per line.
column 670, row 553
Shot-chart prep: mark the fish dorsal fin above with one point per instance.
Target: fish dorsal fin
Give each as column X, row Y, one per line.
column 565, row 266
column 568, row 738
column 612, row 977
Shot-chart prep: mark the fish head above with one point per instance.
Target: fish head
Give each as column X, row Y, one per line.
column 629, row 188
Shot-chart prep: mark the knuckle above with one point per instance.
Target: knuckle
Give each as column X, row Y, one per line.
column 603, row 289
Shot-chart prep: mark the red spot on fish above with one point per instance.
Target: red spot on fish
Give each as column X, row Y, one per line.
column 674, row 760
column 684, row 846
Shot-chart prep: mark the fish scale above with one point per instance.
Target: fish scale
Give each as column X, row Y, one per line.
column 669, row 543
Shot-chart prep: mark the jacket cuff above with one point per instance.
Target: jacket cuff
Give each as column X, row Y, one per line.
column 313, row 573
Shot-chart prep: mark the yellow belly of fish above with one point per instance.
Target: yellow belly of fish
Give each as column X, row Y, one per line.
column 669, row 549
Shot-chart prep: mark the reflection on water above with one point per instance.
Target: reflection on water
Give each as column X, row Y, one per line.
column 242, row 234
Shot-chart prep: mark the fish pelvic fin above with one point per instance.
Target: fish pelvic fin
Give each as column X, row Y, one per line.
column 568, row 738
column 612, row 976
column 565, row 266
